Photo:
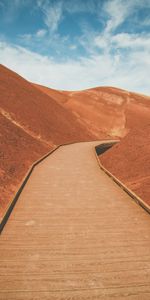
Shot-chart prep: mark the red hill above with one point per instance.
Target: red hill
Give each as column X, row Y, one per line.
column 33, row 119
column 112, row 112
column 105, row 111
column 31, row 123
column 129, row 161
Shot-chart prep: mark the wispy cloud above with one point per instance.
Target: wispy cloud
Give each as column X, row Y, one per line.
column 134, row 41
column 123, row 41
column 53, row 13
column 108, row 54
column 98, row 70
column 117, row 11
column 41, row 33
column 29, row 38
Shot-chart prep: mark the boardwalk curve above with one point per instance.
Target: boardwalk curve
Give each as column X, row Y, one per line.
column 74, row 234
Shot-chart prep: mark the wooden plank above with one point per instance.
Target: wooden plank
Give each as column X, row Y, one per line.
column 74, row 234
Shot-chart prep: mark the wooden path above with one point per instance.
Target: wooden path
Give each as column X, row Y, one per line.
column 74, row 234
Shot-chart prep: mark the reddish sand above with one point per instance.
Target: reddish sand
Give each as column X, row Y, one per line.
column 129, row 161
column 31, row 124
column 116, row 112
column 17, row 152
column 105, row 111
column 33, row 119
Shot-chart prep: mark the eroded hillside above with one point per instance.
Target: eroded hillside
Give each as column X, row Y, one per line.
column 105, row 110
column 129, row 161
column 34, row 119
column 31, row 124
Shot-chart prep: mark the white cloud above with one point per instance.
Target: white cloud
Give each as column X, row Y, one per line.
column 40, row 38
column 110, row 59
column 53, row 13
column 126, row 40
column 132, row 41
column 118, row 11
column 103, row 69
column 31, row 39
column 27, row 37
column 41, row 33
column 102, row 41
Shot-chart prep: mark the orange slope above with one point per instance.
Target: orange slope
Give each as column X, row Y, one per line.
column 105, row 110
column 116, row 113
column 17, row 152
column 31, row 123
column 130, row 161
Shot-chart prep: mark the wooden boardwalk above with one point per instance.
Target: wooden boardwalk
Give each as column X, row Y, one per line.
column 74, row 234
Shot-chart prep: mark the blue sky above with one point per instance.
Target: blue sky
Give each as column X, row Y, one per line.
column 78, row 44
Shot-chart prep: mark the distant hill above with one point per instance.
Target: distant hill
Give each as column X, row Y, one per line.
column 112, row 112
column 105, row 111
column 31, row 123
column 34, row 119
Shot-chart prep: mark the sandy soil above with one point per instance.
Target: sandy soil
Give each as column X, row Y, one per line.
column 130, row 161
column 106, row 111
column 31, row 124
column 17, row 152
column 113, row 112
column 33, row 119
